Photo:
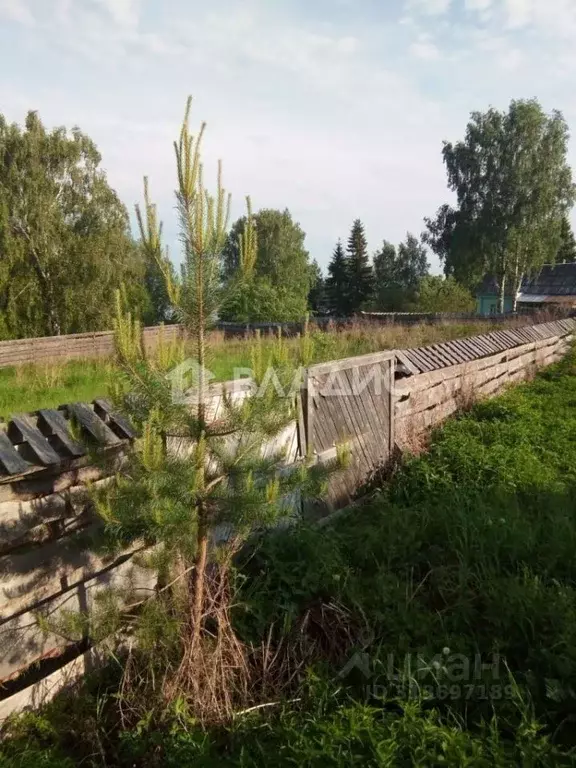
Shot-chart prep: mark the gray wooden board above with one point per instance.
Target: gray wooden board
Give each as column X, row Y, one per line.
column 364, row 415
column 22, row 429
column 357, row 421
column 103, row 407
column 457, row 351
column 480, row 344
column 406, row 361
column 54, row 423
column 90, row 422
column 445, row 355
column 414, row 355
column 448, row 353
column 13, row 463
column 432, row 360
column 468, row 349
column 379, row 411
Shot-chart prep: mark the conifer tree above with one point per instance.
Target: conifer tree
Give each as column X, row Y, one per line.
column 337, row 283
column 189, row 474
column 360, row 275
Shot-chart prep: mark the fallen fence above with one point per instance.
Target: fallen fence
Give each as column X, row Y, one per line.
column 373, row 404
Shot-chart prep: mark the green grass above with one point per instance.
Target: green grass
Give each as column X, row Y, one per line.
column 30, row 387
column 27, row 388
column 470, row 548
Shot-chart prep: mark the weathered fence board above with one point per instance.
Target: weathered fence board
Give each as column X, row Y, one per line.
column 350, row 402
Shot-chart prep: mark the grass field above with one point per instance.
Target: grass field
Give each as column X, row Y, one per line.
column 468, row 553
column 27, row 388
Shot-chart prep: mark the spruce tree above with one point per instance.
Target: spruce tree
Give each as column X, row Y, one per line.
column 189, row 474
column 337, row 283
column 360, row 275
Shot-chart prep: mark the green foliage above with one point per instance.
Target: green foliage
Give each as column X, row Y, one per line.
column 189, row 473
column 317, row 295
column 513, row 186
column 469, row 548
column 443, row 294
column 398, row 274
column 567, row 251
column 359, row 270
column 337, row 283
column 64, row 235
column 158, row 309
column 276, row 286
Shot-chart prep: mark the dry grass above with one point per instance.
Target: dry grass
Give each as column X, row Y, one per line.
column 29, row 387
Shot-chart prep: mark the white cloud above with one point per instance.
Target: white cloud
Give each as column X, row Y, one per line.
column 519, row 12
column 16, row 10
column 478, row 5
column 429, row 7
column 122, row 12
column 424, row 49
column 511, row 59
column 327, row 117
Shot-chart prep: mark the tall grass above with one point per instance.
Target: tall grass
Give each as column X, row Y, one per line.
column 47, row 385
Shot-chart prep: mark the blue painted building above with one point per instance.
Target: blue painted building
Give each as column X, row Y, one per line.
column 553, row 286
column 487, row 297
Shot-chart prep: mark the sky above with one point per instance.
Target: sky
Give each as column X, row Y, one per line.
column 335, row 109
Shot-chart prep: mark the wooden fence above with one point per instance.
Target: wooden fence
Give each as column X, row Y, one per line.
column 101, row 344
column 371, row 403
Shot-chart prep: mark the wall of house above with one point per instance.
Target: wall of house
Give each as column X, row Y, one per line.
column 488, row 304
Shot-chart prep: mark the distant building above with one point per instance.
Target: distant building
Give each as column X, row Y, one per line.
column 487, row 297
column 553, row 286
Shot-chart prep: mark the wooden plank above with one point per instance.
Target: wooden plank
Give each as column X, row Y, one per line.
column 94, row 426
column 22, row 429
column 434, row 358
column 351, row 362
column 380, row 413
column 357, row 418
column 301, row 421
column 13, row 463
column 32, row 577
column 45, row 690
column 444, row 350
column 403, row 357
column 423, row 362
column 472, row 349
column 17, row 518
column 23, row 642
column 104, row 408
column 457, row 351
column 52, row 422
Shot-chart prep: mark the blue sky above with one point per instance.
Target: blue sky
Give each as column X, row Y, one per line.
column 335, row 109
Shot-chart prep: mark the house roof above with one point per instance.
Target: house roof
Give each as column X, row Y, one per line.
column 553, row 280
column 488, row 286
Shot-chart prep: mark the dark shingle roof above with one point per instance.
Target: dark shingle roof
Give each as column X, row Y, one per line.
column 552, row 280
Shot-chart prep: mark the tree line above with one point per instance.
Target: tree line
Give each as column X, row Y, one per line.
column 514, row 192
column 66, row 243
column 396, row 279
